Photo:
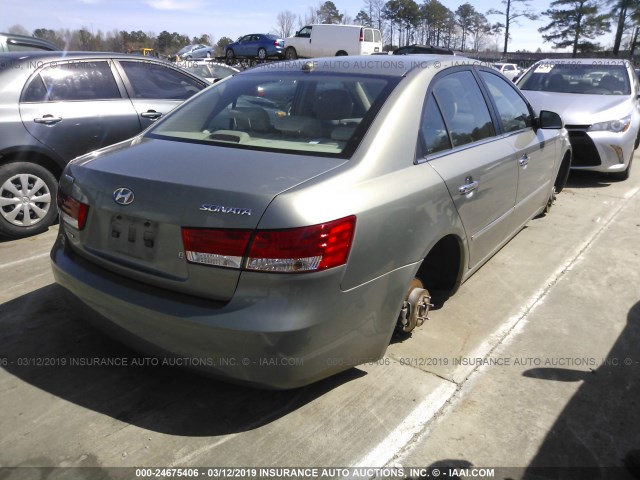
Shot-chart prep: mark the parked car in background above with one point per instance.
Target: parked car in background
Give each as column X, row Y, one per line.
column 509, row 70
column 276, row 236
column 208, row 69
column 422, row 49
column 329, row 40
column 10, row 42
column 55, row 106
column 598, row 100
column 255, row 45
column 195, row 51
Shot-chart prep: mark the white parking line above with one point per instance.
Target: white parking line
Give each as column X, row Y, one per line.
column 24, row 260
column 410, row 426
column 398, row 444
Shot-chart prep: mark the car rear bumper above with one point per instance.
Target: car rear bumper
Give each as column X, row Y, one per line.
column 280, row 333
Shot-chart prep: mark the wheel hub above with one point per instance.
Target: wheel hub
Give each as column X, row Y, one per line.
column 25, row 200
column 415, row 308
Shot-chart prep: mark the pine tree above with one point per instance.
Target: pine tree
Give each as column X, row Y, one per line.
column 574, row 23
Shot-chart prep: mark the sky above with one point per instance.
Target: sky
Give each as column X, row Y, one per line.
column 217, row 18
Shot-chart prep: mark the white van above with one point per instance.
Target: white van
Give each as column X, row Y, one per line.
column 326, row 40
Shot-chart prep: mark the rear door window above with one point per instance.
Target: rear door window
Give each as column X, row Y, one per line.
column 155, row 81
column 77, row 81
column 512, row 109
column 463, row 108
column 433, row 132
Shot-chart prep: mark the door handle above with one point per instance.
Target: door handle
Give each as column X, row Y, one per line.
column 469, row 187
column 48, row 120
column 524, row 160
column 152, row 114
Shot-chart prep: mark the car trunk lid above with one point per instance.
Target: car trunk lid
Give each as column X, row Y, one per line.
column 140, row 199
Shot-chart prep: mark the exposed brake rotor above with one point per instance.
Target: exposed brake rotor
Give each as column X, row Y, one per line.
column 415, row 308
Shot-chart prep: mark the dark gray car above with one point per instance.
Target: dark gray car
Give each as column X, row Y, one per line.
column 55, row 106
column 277, row 227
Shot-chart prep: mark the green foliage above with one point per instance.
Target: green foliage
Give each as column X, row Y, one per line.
column 328, row 13
column 573, row 23
column 220, row 44
column 363, row 18
column 169, row 43
column 49, row 35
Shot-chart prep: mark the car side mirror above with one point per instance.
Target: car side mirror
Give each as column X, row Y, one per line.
column 549, row 120
column 297, row 33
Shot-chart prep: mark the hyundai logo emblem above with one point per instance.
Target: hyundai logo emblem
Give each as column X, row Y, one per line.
column 123, row 196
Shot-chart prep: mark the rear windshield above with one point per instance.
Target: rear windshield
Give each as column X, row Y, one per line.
column 577, row 78
column 311, row 113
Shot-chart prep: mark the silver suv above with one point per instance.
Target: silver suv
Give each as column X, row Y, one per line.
column 57, row 106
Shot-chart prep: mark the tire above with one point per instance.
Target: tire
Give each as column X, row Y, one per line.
column 290, row 53
column 33, row 212
column 230, row 54
column 208, row 54
column 262, row 54
column 341, row 53
column 550, row 201
column 563, row 174
column 623, row 175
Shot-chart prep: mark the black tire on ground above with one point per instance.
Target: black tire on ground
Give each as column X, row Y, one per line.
column 550, row 201
column 230, row 54
column 341, row 53
column 290, row 53
column 208, row 54
column 27, row 199
column 563, row 174
column 262, row 54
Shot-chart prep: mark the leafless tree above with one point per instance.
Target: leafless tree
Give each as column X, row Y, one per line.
column 513, row 10
column 285, row 20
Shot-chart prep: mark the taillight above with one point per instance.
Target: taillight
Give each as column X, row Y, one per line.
column 216, row 247
column 317, row 247
column 72, row 212
column 295, row 250
column 277, row 43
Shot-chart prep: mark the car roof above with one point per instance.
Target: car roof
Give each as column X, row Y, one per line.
column 22, row 63
column 42, row 56
column 384, row 65
column 600, row 62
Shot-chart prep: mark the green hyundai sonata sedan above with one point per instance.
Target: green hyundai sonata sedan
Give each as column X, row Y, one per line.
column 280, row 225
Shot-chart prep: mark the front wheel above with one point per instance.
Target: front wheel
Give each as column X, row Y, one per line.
column 27, row 199
column 550, row 201
column 290, row 53
column 230, row 55
column 415, row 308
column 563, row 174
